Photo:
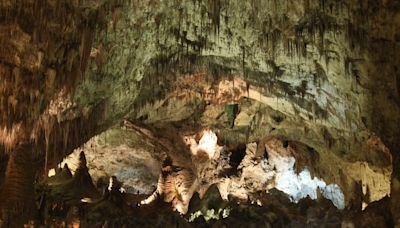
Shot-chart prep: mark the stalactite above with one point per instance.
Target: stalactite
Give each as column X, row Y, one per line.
column 215, row 7
column 244, row 62
column 86, row 45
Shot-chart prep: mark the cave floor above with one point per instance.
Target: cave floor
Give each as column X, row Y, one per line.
column 63, row 205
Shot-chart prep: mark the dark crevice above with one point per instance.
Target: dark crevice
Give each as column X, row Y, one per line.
column 3, row 165
column 237, row 155
column 285, row 143
column 277, row 118
column 266, row 156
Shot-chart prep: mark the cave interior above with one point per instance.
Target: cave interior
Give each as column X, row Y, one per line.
column 199, row 113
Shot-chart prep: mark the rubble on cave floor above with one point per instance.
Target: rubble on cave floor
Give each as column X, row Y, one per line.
column 67, row 199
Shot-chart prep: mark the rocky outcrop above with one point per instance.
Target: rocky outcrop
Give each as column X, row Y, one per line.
column 124, row 154
column 211, row 209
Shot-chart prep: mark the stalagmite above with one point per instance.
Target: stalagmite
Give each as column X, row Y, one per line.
column 16, row 198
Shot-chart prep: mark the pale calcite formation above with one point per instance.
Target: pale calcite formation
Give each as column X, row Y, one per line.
column 276, row 169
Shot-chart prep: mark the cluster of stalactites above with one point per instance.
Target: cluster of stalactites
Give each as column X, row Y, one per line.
column 44, row 49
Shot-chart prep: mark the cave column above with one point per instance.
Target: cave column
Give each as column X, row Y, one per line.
column 17, row 198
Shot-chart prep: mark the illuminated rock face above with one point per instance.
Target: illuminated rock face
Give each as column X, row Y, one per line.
column 208, row 144
column 277, row 168
column 343, row 165
column 302, row 185
column 122, row 154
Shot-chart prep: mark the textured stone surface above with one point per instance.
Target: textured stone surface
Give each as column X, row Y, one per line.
column 123, row 154
column 313, row 60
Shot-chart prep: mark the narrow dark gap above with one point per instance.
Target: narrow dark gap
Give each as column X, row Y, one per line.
column 266, row 156
column 3, row 165
column 237, row 155
column 285, row 143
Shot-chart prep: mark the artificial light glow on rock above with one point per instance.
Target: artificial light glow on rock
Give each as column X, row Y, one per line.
column 302, row 185
column 207, row 144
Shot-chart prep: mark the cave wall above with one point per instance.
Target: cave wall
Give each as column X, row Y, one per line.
column 121, row 153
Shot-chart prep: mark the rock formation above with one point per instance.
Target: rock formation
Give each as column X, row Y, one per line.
column 310, row 81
